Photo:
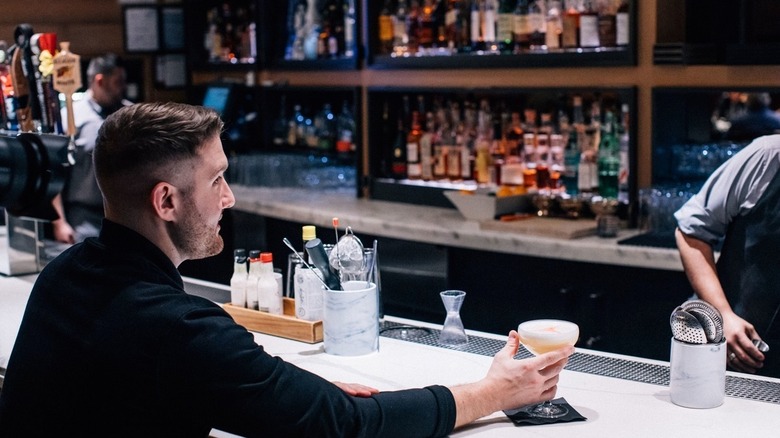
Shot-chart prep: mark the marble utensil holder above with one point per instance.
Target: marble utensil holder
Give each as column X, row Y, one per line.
column 351, row 319
column 697, row 374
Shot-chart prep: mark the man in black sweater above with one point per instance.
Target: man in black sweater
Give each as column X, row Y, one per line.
column 110, row 344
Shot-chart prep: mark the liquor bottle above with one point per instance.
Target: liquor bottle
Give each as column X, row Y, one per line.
column 427, row 27
column 593, row 140
column 385, row 30
column 398, row 162
column 489, row 17
column 7, row 109
column 589, row 25
column 345, row 129
column 538, row 26
column 543, row 152
column 325, row 124
column 557, row 160
column 280, row 124
column 454, row 156
column 426, row 148
column 554, row 26
column 570, row 36
column 413, row 26
column 413, row 164
column 452, row 26
column 622, row 24
column 401, row 29
column 571, row 153
column 505, row 25
column 238, row 281
column 269, row 297
column 607, row 23
column 350, row 23
column 254, row 276
column 514, row 135
column 624, row 141
column 522, row 28
column 475, row 23
column 608, row 158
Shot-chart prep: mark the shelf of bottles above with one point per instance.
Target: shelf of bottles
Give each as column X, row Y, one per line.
column 312, row 34
column 500, row 33
column 563, row 141
column 224, row 34
column 310, row 140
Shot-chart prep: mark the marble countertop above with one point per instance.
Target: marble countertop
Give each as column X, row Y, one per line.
column 441, row 226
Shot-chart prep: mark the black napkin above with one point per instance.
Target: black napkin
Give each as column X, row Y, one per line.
column 521, row 417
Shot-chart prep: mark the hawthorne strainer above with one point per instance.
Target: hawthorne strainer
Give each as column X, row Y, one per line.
column 686, row 328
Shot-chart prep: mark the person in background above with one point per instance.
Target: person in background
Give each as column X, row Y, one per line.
column 739, row 205
column 756, row 121
column 80, row 205
column 110, row 343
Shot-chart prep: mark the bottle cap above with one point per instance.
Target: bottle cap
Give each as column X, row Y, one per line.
column 266, row 257
column 239, row 252
column 309, row 232
column 254, row 254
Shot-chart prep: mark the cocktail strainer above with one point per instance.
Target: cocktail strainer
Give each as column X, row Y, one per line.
column 686, row 328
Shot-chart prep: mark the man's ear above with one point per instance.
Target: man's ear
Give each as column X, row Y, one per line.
column 164, row 200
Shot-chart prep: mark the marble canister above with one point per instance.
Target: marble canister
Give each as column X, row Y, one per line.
column 697, row 374
column 351, row 319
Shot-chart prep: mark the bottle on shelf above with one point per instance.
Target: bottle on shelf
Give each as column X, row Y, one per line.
column 608, row 158
column 426, row 147
column 399, row 166
column 269, row 297
column 325, row 126
column 350, row 23
column 505, row 24
column 543, row 135
column 622, row 24
column 554, row 26
column 252, row 279
column 489, row 17
column 239, row 279
column 589, row 25
column 476, row 23
column 386, row 30
column 571, row 152
column 607, row 23
column 280, row 130
column 401, row 29
column 345, row 126
column 522, row 27
column 413, row 26
column 537, row 22
column 624, row 141
column 426, row 27
column 413, row 163
column 570, row 22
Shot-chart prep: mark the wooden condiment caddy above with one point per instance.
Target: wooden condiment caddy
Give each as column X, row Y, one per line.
column 286, row 325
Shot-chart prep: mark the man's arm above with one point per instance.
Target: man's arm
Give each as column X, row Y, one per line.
column 63, row 232
column 510, row 383
column 698, row 260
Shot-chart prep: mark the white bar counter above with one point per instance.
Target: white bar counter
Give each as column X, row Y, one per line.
column 613, row 407
column 440, row 226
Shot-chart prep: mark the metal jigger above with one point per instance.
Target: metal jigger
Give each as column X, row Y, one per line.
column 607, row 223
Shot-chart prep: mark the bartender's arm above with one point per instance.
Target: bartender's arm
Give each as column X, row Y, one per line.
column 510, row 383
column 698, row 260
column 63, row 232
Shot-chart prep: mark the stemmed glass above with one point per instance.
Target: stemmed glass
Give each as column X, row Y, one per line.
column 540, row 336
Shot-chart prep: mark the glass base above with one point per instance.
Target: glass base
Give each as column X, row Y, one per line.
column 548, row 410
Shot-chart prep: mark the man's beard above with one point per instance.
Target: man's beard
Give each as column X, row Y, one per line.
column 194, row 239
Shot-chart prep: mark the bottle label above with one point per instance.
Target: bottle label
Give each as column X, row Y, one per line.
column 412, row 152
column 308, row 294
column 589, row 31
column 622, row 29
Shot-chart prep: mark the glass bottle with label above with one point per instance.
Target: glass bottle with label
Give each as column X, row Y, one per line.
column 537, row 23
column 570, row 36
column 607, row 23
column 238, row 281
column 505, row 25
column 554, row 26
column 253, row 277
column 522, row 28
column 269, row 298
column 413, row 164
column 622, row 24
column 589, row 25
column 385, row 30
column 608, row 158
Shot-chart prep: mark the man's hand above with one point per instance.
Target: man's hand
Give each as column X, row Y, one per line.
column 742, row 354
column 63, row 232
column 510, row 383
column 356, row 389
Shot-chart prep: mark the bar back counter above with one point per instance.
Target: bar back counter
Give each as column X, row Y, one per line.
column 616, row 293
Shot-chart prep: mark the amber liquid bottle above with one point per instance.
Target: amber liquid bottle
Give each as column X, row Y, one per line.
column 413, row 163
column 570, row 36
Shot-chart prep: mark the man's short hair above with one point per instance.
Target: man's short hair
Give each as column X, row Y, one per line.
column 105, row 65
column 139, row 143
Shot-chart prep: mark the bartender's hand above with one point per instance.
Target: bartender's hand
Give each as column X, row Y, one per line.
column 356, row 389
column 510, row 383
column 63, row 232
column 742, row 355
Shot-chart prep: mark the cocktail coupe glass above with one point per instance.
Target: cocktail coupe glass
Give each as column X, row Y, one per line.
column 540, row 336
column 453, row 333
